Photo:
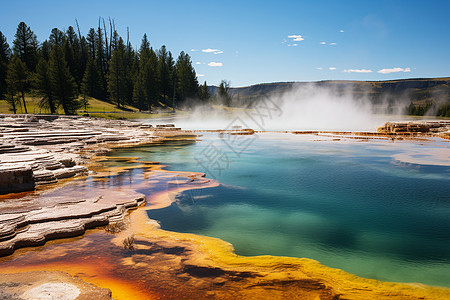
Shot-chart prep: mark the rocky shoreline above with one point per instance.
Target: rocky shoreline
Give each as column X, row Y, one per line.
column 40, row 151
column 37, row 151
column 437, row 128
column 43, row 149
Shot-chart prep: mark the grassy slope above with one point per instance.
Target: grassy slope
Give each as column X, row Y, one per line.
column 33, row 106
column 96, row 108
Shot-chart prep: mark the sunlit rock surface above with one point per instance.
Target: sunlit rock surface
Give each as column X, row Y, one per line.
column 16, row 178
column 439, row 128
column 33, row 221
column 48, row 285
column 40, row 149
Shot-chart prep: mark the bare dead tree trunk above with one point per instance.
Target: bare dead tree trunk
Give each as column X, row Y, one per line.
column 83, row 50
column 78, row 28
column 108, row 54
column 110, row 36
column 23, row 99
column 114, row 28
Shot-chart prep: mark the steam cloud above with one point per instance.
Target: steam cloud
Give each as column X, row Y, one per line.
column 307, row 107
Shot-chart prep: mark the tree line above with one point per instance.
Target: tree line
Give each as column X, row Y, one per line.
column 68, row 68
column 429, row 108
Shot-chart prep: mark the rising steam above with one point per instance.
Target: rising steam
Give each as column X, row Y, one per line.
column 305, row 107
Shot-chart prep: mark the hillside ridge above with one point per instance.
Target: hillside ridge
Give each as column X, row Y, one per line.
column 417, row 96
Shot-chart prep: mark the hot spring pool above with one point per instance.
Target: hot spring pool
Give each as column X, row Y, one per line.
column 377, row 209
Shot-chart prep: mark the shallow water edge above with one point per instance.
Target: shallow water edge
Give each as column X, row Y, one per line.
column 167, row 264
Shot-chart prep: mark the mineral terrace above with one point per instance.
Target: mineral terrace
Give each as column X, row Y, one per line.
column 38, row 151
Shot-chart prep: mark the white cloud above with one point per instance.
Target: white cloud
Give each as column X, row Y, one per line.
column 323, row 43
column 319, row 68
column 292, row 45
column 209, row 50
column 358, row 71
column 332, row 68
column 198, row 63
column 332, row 44
column 296, row 37
column 200, row 75
column 215, row 51
column 341, row 30
column 394, row 70
column 194, row 50
column 215, row 64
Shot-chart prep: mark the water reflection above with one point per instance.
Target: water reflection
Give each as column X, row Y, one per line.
column 348, row 205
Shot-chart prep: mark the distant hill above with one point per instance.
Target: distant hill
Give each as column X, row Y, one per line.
column 418, row 95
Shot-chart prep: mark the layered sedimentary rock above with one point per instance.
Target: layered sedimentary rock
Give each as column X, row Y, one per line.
column 16, row 178
column 439, row 128
column 34, row 220
column 37, row 150
column 40, row 149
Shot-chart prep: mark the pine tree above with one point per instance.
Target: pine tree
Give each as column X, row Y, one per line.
column 56, row 37
column 70, row 59
column 139, row 93
column 146, row 88
column 163, row 72
column 172, row 75
column 43, row 86
column 84, row 51
column 117, row 75
column 411, row 109
column 114, row 40
column 101, row 59
column 90, row 85
column 138, row 84
column 84, row 55
column 92, row 42
column 224, row 93
column 73, row 55
column 45, row 49
column 154, row 81
column 107, row 45
column 5, row 55
column 26, row 46
column 143, row 78
column 203, row 92
column 17, row 79
column 145, row 45
column 130, row 72
column 71, row 36
column 61, row 81
column 187, row 83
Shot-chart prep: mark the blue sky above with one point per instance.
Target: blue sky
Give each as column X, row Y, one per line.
column 267, row 41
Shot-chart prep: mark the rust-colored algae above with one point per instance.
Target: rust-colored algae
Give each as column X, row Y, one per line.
column 214, row 261
column 95, row 272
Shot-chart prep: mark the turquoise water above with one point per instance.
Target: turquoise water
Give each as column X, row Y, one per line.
column 350, row 205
